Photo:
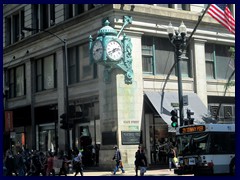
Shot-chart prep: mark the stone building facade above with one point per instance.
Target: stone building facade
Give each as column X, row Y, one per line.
column 112, row 113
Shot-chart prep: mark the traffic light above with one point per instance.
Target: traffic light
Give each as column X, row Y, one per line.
column 63, row 122
column 189, row 116
column 70, row 124
column 174, row 118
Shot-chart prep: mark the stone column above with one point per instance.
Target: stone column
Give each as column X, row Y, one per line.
column 121, row 107
column 61, row 95
column 200, row 70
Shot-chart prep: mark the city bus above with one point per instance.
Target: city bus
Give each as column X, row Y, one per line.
column 207, row 149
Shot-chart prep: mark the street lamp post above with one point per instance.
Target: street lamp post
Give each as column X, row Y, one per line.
column 65, row 79
column 178, row 39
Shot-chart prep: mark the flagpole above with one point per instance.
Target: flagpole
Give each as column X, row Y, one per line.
column 188, row 41
column 199, row 20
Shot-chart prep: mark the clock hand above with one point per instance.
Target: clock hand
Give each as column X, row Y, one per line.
column 114, row 50
column 98, row 49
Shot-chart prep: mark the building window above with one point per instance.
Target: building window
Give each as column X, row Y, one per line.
column 14, row 26
column 209, row 58
column 158, row 57
column 45, row 73
column 71, row 10
column 79, row 68
column 52, row 14
column 226, row 112
column 72, row 59
column 175, row 6
column 163, row 5
column 16, row 81
column 90, row 6
column 68, row 8
column 164, row 55
column 43, row 16
column 185, row 7
column 219, row 64
column 85, row 68
column 147, row 55
column 79, row 9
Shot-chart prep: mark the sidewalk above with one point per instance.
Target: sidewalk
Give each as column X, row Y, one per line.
column 150, row 172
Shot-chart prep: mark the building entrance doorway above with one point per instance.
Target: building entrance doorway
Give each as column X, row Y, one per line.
column 158, row 132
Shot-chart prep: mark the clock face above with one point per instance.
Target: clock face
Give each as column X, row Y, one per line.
column 114, row 50
column 97, row 50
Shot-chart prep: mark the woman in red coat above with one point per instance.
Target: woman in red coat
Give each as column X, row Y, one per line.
column 50, row 164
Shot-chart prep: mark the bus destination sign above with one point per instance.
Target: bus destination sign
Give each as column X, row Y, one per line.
column 191, row 129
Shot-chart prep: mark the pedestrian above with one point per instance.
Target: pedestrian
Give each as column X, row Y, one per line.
column 10, row 163
column 97, row 149
column 118, row 158
column 137, row 160
column 77, row 163
column 171, row 155
column 43, row 162
column 19, row 163
column 35, row 164
column 50, row 165
column 64, row 167
column 143, row 162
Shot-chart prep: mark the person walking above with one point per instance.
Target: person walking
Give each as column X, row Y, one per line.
column 171, row 155
column 64, row 168
column 10, row 164
column 19, row 163
column 118, row 158
column 78, row 163
column 137, row 160
column 35, row 164
column 50, row 168
column 143, row 162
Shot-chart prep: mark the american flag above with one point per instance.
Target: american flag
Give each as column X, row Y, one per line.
column 223, row 15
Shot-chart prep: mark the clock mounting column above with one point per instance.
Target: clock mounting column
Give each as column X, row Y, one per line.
column 120, row 100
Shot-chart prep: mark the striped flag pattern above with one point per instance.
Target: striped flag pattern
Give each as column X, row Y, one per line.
column 223, row 15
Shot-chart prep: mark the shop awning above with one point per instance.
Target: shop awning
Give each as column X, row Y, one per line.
column 170, row 99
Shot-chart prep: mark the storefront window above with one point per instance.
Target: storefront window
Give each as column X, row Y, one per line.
column 47, row 139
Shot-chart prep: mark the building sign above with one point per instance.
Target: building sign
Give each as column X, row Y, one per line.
column 192, row 129
column 8, row 121
column 131, row 137
column 109, row 138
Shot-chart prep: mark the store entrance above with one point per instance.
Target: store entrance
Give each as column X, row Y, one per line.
column 158, row 132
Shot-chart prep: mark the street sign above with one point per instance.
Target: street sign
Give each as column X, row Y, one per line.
column 185, row 100
column 175, row 104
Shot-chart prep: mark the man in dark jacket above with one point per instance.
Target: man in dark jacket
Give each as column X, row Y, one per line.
column 137, row 160
column 143, row 162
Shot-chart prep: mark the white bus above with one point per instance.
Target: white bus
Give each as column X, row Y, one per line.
column 206, row 149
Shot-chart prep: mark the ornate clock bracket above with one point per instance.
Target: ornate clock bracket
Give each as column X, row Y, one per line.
column 126, row 64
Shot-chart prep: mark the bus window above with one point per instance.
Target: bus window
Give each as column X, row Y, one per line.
column 222, row 143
